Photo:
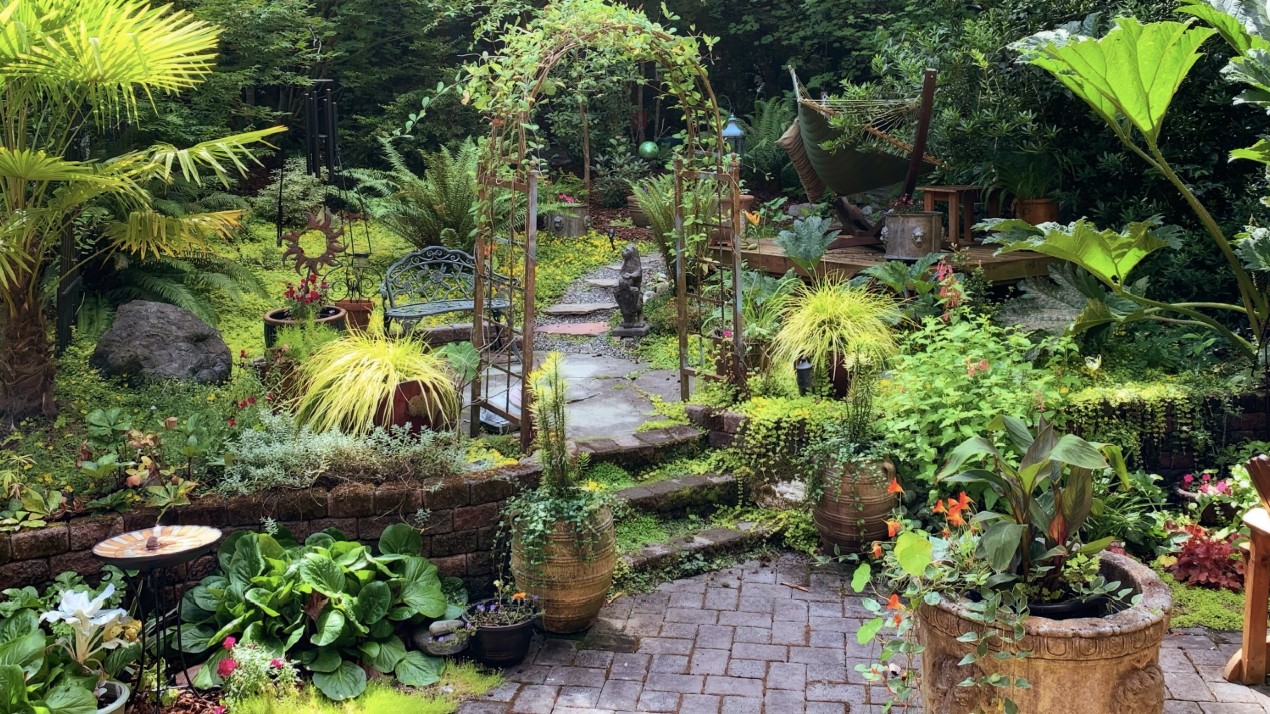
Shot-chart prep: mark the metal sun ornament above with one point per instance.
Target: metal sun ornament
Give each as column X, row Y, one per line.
column 305, row 264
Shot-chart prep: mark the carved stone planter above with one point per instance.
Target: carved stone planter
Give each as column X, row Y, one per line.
column 1103, row 665
column 910, row 236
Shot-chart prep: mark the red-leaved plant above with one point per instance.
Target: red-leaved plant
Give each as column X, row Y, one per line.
column 1208, row 561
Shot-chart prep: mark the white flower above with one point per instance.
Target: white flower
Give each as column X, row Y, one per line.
column 90, row 624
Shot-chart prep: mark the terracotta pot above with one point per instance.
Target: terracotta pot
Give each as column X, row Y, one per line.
column 359, row 310
column 574, row 580
column 277, row 319
column 410, row 402
column 1036, row 210
column 1092, row 665
column 852, row 512
column 638, row 218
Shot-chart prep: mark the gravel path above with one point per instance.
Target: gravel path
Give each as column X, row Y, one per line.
column 582, row 291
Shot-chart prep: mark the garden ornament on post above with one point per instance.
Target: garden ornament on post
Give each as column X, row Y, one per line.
column 629, row 295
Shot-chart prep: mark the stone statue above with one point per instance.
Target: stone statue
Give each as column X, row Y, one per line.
column 630, row 294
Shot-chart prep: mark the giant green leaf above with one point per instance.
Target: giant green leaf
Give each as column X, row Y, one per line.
column 247, row 561
column 1130, row 74
column 417, row 669
column 26, row 651
column 346, row 682
column 1243, row 24
column 13, row 699
column 1000, row 542
column 1106, row 254
column 1073, row 450
column 372, row 602
column 322, row 574
column 69, row 698
column 913, row 552
column 388, row 655
column 401, row 539
column 329, row 627
column 325, row 659
column 424, row 597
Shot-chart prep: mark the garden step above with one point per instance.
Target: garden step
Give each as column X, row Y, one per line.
column 634, row 451
column 708, row 543
column 579, row 308
column 678, row 496
column 602, row 282
column 586, row 329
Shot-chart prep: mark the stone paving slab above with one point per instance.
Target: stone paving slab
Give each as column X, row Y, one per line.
column 772, row 637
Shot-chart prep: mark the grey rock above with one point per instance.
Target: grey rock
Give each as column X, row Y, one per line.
column 444, row 627
column 156, row 341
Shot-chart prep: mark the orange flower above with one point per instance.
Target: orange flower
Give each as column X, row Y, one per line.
column 894, row 486
column 752, row 217
column 963, row 500
column 877, row 549
column 955, row 519
column 893, row 528
column 939, row 507
column 894, row 603
column 897, row 618
column 518, row 596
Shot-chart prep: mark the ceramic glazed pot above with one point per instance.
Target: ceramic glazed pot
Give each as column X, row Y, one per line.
column 638, row 219
column 501, row 645
column 573, row 582
column 1036, row 210
column 1092, row 665
column 117, row 694
column 277, row 319
column 852, row 512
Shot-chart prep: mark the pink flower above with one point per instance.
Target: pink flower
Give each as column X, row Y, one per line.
column 229, row 641
column 1205, row 477
column 1223, row 487
column 1188, row 479
column 226, row 667
column 277, row 663
column 218, row 709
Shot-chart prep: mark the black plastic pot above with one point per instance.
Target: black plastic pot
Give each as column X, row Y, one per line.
column 501, row 645
column 1070, row 609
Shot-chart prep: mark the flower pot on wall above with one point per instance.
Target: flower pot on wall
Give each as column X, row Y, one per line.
column 1036, row 210
column 853, row 510
column 1112, row 661
column 910, row 236
column 573, row 581
column 359, row 310
column 277, row 319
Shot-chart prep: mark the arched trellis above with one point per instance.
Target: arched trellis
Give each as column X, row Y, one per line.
column 508, row 87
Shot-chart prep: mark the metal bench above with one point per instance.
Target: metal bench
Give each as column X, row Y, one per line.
column 432, row 281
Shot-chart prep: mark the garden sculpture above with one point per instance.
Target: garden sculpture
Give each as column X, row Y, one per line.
column 629, row 294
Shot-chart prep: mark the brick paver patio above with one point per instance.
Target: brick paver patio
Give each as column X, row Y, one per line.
column 770, row 638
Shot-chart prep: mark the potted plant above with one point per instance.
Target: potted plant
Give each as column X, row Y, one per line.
column 911, row 232
column 502, row 626
column 1010, row 607
column 94, row 632
column 762, row 306
column 368, row 379
column 839, row 330
column 1029, row 177
column 851, row 484
column 304, row 306
column 1218, row 502
column 563, row 544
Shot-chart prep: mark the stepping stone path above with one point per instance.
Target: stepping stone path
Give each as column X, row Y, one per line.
column 773, row 637
column 579, row 308
column 607, row 283
column 589, row 329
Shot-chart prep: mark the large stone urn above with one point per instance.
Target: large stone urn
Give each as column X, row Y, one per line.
column 1094, row 665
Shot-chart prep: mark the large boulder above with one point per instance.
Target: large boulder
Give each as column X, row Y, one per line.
column 157, row 341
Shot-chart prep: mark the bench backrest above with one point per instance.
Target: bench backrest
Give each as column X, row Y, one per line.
column 429, row 275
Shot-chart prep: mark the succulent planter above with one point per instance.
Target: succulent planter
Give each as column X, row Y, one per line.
column 1091, row 665
column 278, row 318
column 853, row 510
column 501, row 645
column 116, row 697
column 574, row 580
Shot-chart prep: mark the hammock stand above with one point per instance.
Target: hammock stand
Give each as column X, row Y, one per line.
column 849, row 171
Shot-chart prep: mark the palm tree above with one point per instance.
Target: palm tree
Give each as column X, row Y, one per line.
column 69, row 65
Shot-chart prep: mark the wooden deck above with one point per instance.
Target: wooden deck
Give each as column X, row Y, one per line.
column 1011, row 267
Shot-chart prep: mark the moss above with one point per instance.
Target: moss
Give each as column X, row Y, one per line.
column 459, row 683
column 640, row 529
column 1203, row 607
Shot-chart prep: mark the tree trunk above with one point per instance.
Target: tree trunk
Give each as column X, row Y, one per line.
column 26, row 364
column 586, row 148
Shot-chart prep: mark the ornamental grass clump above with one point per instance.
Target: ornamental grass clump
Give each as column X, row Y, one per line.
column 837, row 326
column 350, row 383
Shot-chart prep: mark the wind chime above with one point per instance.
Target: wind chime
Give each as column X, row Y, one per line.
column 345, row 264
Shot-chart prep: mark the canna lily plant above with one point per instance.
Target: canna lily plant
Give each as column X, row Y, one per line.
column 68, row 68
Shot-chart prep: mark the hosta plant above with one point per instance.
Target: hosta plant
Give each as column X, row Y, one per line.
column 332, row 604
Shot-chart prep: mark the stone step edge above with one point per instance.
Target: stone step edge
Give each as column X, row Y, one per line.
column 707, row 543
column 697, row 493
column 641, row 448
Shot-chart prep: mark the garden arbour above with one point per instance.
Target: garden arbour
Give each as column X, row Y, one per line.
column 508, row 88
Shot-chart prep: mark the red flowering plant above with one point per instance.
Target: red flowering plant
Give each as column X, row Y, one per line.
column 305, row 301
column 250, row 670
column 1007, row 543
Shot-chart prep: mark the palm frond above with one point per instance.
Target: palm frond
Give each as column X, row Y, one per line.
column 147, row 232
column 216, row 155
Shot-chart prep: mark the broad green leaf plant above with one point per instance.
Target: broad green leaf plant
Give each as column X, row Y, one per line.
column 1129, row 77
column 68, row 68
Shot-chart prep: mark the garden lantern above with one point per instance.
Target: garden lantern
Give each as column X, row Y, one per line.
column 804, row 376
column 734, row 135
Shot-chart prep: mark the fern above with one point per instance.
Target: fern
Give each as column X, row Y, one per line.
column 765, row 126
column 433, row 209
column 1071, row 300
column 188, row 283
